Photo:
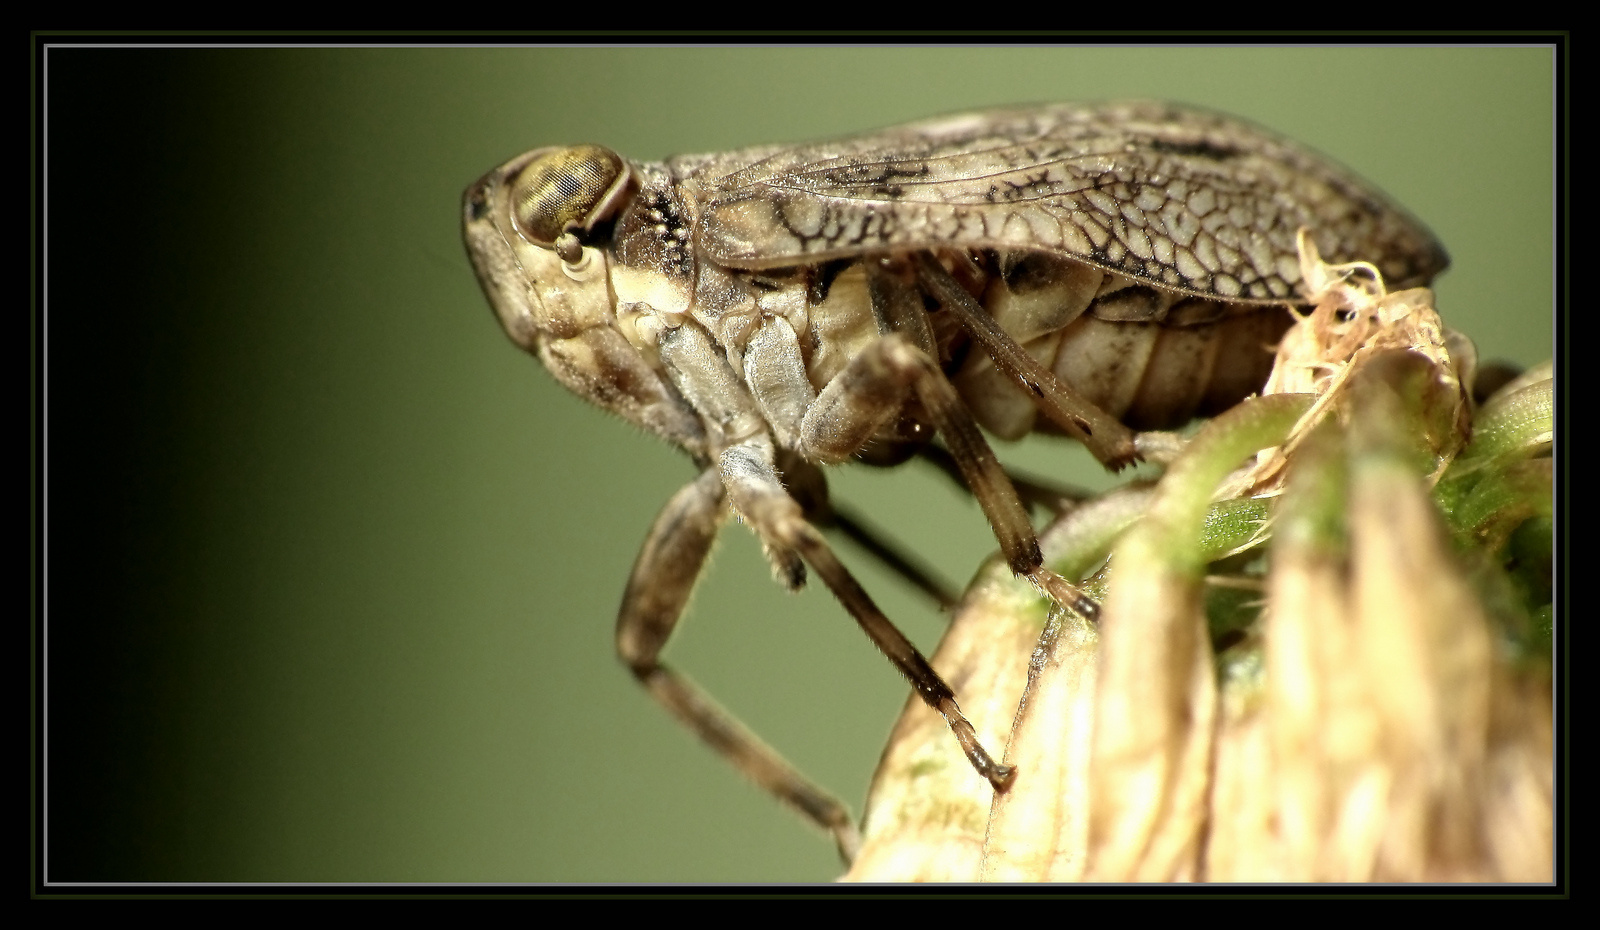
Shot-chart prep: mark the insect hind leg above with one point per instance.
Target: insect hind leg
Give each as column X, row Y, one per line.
column 1106, row 437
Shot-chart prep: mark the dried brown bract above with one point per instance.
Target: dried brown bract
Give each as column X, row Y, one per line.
column 1377, row 707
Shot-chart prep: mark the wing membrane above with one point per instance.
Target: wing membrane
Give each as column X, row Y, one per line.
column 1182, row 198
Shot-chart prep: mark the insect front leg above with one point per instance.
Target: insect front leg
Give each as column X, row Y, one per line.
column 671, row 559
column 759, row 496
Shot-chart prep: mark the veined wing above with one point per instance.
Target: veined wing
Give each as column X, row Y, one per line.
column 1181, row 198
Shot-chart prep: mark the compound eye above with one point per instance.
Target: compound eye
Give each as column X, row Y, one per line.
column 564, row 190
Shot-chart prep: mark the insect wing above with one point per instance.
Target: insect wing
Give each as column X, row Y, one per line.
column 1181, row 198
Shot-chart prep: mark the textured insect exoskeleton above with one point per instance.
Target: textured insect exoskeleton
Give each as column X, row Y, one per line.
column 1089, row 270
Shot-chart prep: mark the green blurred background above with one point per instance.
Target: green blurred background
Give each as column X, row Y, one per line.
column 332, row 567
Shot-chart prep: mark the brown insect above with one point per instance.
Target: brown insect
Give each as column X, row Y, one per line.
column 1114, row 268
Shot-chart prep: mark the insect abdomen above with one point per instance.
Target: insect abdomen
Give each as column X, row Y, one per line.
column 1153, row 358
column 1160, row 375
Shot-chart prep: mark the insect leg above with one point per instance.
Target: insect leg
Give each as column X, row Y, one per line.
column 669, row 562
column 1110, row 441
column 1057, row 499
column 758, row 494
column 870, row 539
column 897, row 306
column 806, row 484
column 857, row 402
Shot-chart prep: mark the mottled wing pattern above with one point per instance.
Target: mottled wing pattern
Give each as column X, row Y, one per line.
column 1181, row 198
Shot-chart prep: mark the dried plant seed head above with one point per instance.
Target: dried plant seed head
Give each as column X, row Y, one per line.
column 1355, row 316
